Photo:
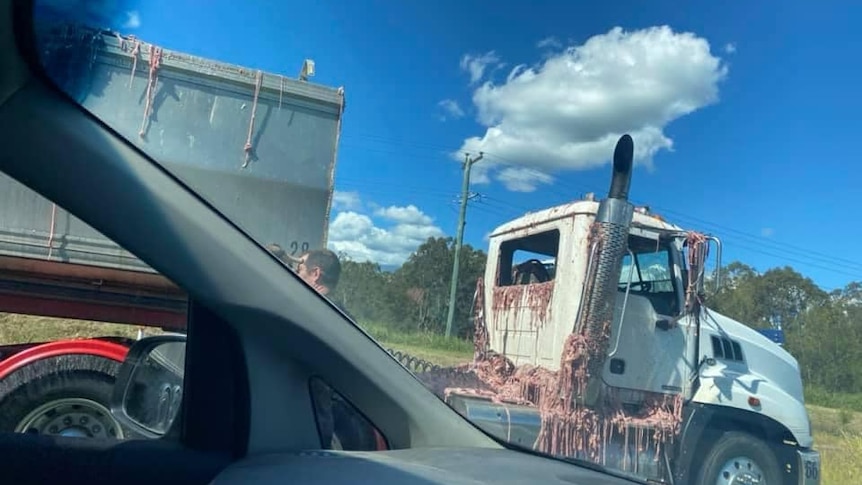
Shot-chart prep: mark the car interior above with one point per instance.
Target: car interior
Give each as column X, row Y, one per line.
column 257, row 335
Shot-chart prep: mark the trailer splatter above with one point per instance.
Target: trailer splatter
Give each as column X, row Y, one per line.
column 135, row 54
column 155, row 57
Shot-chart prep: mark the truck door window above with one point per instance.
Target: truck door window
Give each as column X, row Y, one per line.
column 651, row 274
column 529, row 260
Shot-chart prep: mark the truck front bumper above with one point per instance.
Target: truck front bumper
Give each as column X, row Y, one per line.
column 809, row 467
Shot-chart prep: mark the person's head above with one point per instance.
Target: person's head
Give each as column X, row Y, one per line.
column 321, row 269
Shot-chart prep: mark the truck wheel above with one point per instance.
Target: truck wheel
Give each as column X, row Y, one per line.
column 739, row 458
column 68, row 395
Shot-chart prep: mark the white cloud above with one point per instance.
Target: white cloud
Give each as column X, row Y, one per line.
column 404, row 215
column 767, row 232
column 133, row 20
column 568, row 111
column 730, row 48
column 523, row 179
column 451, row 108
column 475, row 65
column 345, row 200
column 362, row 238
column 549, row 42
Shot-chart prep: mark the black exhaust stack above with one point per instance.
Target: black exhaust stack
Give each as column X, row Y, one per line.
column 608, row 244
column 622, row 176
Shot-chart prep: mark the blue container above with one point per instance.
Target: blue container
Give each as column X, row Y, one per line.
column 773, row 334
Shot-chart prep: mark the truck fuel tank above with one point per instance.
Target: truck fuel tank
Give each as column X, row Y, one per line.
column 627, row 448
column 513, row 423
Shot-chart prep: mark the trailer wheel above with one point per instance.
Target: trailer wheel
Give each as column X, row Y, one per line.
column 68, row 395
column 738, row 457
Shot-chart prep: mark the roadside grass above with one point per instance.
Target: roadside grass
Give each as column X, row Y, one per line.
column 837, row 427
column 432, row 341
column 835, row 400
column 427, row 346
column 21, row 329
column 838, row 437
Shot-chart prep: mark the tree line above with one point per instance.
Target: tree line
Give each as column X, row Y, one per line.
column 414, row 297
column 823, row 330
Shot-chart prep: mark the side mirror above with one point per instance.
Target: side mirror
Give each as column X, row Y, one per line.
column 149, row 387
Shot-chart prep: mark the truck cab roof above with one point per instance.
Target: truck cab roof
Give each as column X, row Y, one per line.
column 642, row 218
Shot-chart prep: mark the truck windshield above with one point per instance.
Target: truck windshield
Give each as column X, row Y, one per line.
column 649, row 265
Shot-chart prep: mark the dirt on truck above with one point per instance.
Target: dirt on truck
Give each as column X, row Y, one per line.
column 254, row 143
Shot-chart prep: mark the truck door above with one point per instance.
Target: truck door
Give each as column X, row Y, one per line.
column 651, row 347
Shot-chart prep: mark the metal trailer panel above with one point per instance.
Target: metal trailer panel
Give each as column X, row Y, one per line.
column 198, row 126
column 89, row 292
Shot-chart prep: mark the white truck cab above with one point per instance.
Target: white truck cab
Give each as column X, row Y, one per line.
column 732, row 381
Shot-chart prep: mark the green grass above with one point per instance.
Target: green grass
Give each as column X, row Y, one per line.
column 836, row 400
column 837, row 424
column 418, row 339
column 19, row 329
column 427, row 346
column 838, row 437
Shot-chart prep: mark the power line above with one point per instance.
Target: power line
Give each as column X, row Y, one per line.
column 736, row 244
column 807, row 255
column 780, row 246
column 498, row 207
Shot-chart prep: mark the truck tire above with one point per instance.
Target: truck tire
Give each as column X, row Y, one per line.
column 67, row 395
column 737, row 455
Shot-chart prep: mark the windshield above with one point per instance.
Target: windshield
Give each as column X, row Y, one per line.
column 441, row 174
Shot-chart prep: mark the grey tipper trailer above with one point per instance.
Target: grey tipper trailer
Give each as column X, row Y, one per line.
column 260, row 147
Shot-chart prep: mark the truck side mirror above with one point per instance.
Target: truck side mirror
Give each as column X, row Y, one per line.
column 149, row 386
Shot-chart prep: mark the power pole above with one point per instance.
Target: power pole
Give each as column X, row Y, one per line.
column 462, row 221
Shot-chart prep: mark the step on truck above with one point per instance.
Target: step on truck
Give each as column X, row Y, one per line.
column 593, row 341
column 256, row 144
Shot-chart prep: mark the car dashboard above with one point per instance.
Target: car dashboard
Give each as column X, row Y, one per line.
column 428, row 466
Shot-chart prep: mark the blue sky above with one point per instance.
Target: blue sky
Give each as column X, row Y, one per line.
column 749, row 111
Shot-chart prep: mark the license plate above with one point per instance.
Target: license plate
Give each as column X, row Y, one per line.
column 809, row 469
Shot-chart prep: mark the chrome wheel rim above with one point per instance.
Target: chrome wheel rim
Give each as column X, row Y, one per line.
column 73, row 417
column 740, row 470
